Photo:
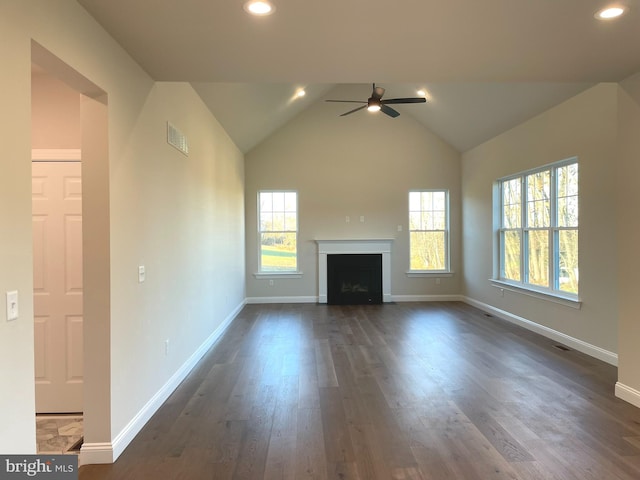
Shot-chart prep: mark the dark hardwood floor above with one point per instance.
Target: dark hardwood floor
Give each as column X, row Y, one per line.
column 396, row 391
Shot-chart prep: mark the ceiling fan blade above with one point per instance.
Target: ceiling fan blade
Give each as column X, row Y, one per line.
column 405, row 100
column 354, row 110
column 389, row 111
column 345, row 101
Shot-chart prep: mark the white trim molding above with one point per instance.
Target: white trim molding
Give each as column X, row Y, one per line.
column 96, row 453
column 426, row 273
column 56, row 154
column 427, row 298
column 584, row 347
column 394, row 298
column 277, row 275
column 549, row 296
column 628, row 394
column 92, row 453
column 268, row 300
column 355, row 246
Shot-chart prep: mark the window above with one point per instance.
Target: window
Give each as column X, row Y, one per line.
column 429, row 231
column 278, row 230
column 538, row 229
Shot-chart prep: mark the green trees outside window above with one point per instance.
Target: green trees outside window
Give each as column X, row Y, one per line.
column 538, row 233
column 278, row 230
column 429, row 230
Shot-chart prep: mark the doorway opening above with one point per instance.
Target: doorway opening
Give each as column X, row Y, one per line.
column 71, row 257
column 57, row 262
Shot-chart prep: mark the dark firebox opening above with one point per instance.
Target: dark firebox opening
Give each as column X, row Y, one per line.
column 354, row 279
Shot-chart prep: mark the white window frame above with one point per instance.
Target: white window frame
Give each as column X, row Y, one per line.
column 499, row 280
column 266, row 274
column 446, row 272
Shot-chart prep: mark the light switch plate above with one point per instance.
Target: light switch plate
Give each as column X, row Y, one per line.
column 142, row 274
column 12, row 305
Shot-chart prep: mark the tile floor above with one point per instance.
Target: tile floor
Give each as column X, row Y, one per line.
column 57, row 434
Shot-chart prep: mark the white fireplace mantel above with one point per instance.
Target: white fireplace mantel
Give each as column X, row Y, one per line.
column 354, row 246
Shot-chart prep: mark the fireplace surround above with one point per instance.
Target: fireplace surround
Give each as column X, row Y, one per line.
column 354, row 247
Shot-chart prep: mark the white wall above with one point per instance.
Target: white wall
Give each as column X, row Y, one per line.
column 182, row 217
column 360, row 165
column 584, row 126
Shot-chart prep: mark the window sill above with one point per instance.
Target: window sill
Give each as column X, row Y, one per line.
column 273, row 275
column 429, row 273
column 568, row 301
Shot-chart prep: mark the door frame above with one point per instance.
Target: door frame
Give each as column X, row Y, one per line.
column 98, row 446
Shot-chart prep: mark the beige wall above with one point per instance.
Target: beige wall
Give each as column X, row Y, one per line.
column 17, row 406
column 182, row 217
column 584, row 126
column 55, row 119
column 361, row 165
column 629, row 236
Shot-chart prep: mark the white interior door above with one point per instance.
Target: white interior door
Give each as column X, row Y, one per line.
column 57, row 248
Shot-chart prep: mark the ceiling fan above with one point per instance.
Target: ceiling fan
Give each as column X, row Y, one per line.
column 375, row 103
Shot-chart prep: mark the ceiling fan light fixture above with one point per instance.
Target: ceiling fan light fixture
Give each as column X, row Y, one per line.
column 610, row 12
column 373, row 105
column 259, row 7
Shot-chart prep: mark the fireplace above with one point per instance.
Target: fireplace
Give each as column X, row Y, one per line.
column 354, row 279
column 356, row 247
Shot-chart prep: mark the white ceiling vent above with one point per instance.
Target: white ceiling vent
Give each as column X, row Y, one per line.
column 177, row 139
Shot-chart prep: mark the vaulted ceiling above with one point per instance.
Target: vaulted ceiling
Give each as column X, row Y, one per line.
column 485, row 65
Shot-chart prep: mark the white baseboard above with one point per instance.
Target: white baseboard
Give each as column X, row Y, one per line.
column 584, row 347
column 427, row 298
column 392, row 298
column 263, row 300
column 92, row 453
column 628, row 394
column 95, row 453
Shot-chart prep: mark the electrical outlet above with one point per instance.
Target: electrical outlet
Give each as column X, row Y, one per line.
column 361, row 218
column 271, row 283
column 437, row 281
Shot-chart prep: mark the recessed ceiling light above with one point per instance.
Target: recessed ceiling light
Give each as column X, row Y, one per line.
column 610, row 12
column 259, row 7
column 301, row 93
column 421, row 93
